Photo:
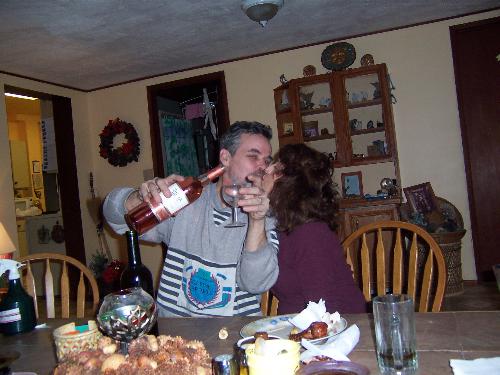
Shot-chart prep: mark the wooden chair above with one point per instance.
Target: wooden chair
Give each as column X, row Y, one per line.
column 269, row 304
column 48, row 281
column 412, row 245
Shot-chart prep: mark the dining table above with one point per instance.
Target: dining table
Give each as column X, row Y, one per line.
column 440, row 337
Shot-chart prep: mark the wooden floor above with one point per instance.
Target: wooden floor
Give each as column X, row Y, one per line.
column 479, row 297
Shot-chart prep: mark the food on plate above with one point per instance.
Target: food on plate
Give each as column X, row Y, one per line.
column 146, row 355
column 262, row 334
column 316, row 330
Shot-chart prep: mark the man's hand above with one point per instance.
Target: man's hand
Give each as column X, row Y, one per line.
column 150, row 190
column 254, row 199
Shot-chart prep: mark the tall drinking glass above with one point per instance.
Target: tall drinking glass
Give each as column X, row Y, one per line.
column 231, row 195
column 395, row 334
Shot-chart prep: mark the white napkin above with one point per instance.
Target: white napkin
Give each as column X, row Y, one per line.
column 336, row 348
column 314, row 312
column 478, row 366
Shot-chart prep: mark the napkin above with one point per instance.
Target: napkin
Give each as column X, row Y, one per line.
column 314, row 312
column 336, row 348
column 478, row 366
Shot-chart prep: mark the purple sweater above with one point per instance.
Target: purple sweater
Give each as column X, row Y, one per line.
column 312, row 266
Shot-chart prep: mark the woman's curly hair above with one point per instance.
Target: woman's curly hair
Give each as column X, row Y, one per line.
column 305, row 191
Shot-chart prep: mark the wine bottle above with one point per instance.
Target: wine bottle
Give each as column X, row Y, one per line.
column 148, row 214
column 137, row 274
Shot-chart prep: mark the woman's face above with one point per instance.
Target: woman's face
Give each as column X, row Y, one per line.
column 273, row 172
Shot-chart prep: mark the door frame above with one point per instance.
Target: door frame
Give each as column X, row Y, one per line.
column 67, row 170
column 154, row 125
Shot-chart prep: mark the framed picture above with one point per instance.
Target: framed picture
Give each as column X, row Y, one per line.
column 287, row 128
column 36, row 166
column 310, row 129
column 421, row 198
column 352, row 185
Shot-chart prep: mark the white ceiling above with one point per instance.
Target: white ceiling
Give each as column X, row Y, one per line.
column 88, row 44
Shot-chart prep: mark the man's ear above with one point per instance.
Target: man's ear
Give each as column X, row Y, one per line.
column 225, row 157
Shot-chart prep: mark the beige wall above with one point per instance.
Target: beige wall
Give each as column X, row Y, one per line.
column 426, row 117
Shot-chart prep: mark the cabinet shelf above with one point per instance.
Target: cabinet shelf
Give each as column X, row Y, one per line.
column 367, row 131
column 319, row 137
column 315, row 111
column 366, row 103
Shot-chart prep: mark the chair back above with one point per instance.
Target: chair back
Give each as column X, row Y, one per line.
column 48, row 282
column 269, row 304
column 397, row 257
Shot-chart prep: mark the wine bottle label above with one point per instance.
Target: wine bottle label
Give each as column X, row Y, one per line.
column 177, row 201
column 10, row 316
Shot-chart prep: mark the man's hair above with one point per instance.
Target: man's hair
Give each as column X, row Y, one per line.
column 231, row 139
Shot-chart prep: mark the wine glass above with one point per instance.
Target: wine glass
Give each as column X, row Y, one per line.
column 126, row 315
column 231, row 195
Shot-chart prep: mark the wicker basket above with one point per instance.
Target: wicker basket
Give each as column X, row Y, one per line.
column 450, row 243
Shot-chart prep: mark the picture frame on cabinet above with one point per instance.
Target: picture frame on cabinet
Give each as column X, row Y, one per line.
column 352, row 185
column 421, row 198
column 287, row 128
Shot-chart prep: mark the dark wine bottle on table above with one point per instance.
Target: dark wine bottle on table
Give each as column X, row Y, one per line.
column 137, row 274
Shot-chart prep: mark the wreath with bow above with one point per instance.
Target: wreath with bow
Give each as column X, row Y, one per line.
column 126, row 153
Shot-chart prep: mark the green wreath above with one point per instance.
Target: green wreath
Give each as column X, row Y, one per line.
column 126, row 153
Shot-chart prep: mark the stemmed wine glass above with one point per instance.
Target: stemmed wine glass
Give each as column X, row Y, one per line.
column 126, row 315
column 231, row 195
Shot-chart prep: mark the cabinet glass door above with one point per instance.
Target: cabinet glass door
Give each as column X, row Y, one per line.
column 316, row 117
column 366, row 126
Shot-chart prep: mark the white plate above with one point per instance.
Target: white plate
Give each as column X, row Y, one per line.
column 280, row 326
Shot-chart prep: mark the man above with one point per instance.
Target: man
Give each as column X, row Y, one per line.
column 211, row 270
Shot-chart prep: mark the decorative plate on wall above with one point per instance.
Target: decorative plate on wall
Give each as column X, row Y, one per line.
column 338, row 56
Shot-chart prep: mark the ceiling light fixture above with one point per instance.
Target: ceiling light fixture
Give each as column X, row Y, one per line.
column 20, row 96
column 261, row 11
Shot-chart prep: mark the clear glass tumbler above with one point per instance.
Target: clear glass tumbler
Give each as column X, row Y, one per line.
column 395, row 334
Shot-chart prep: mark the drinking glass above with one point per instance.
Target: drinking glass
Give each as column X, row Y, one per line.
column 231, row 195
column 395, row 334
column 126, row 315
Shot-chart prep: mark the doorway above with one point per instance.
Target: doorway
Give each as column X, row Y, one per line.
column 186, row 118
column 476, row 59
column 52, row 177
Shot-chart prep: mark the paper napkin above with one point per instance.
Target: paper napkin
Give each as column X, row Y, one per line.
column 478, row 366
column 337, row 349
column 314, row 312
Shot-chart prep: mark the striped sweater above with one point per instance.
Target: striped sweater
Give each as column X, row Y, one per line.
column 206, row 271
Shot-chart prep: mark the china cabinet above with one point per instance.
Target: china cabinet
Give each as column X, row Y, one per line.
column 347, row 115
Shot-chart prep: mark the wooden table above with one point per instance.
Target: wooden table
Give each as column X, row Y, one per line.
column 440, row 337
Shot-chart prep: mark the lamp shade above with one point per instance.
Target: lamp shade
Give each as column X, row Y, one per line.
column 6, row 244
column 261, row 11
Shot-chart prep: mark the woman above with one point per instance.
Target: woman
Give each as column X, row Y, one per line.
column 311, row 259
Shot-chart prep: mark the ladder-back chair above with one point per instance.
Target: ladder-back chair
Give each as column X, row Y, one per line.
column 370, row 256
column 48, row 282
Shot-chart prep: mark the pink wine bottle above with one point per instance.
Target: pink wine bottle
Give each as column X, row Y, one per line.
column 148, row 214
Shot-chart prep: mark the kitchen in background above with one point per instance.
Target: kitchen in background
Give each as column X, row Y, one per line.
column 34, row 169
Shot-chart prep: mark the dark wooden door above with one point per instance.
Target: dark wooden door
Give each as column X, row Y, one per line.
column 476, row 58
column 68, row 178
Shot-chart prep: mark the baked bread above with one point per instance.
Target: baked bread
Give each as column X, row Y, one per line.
column 146, row 355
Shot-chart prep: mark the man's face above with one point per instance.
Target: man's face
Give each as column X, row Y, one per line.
column 253, row 154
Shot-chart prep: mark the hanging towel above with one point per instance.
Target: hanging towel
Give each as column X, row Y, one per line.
column 194, row 111
column 208, row 114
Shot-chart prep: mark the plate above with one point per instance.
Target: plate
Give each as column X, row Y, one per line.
column 280, row 326
column 338, row 56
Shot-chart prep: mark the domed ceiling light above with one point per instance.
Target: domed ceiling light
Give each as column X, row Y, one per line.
column 261, row 11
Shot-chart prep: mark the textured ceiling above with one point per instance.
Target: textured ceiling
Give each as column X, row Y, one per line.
column 88, row 44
